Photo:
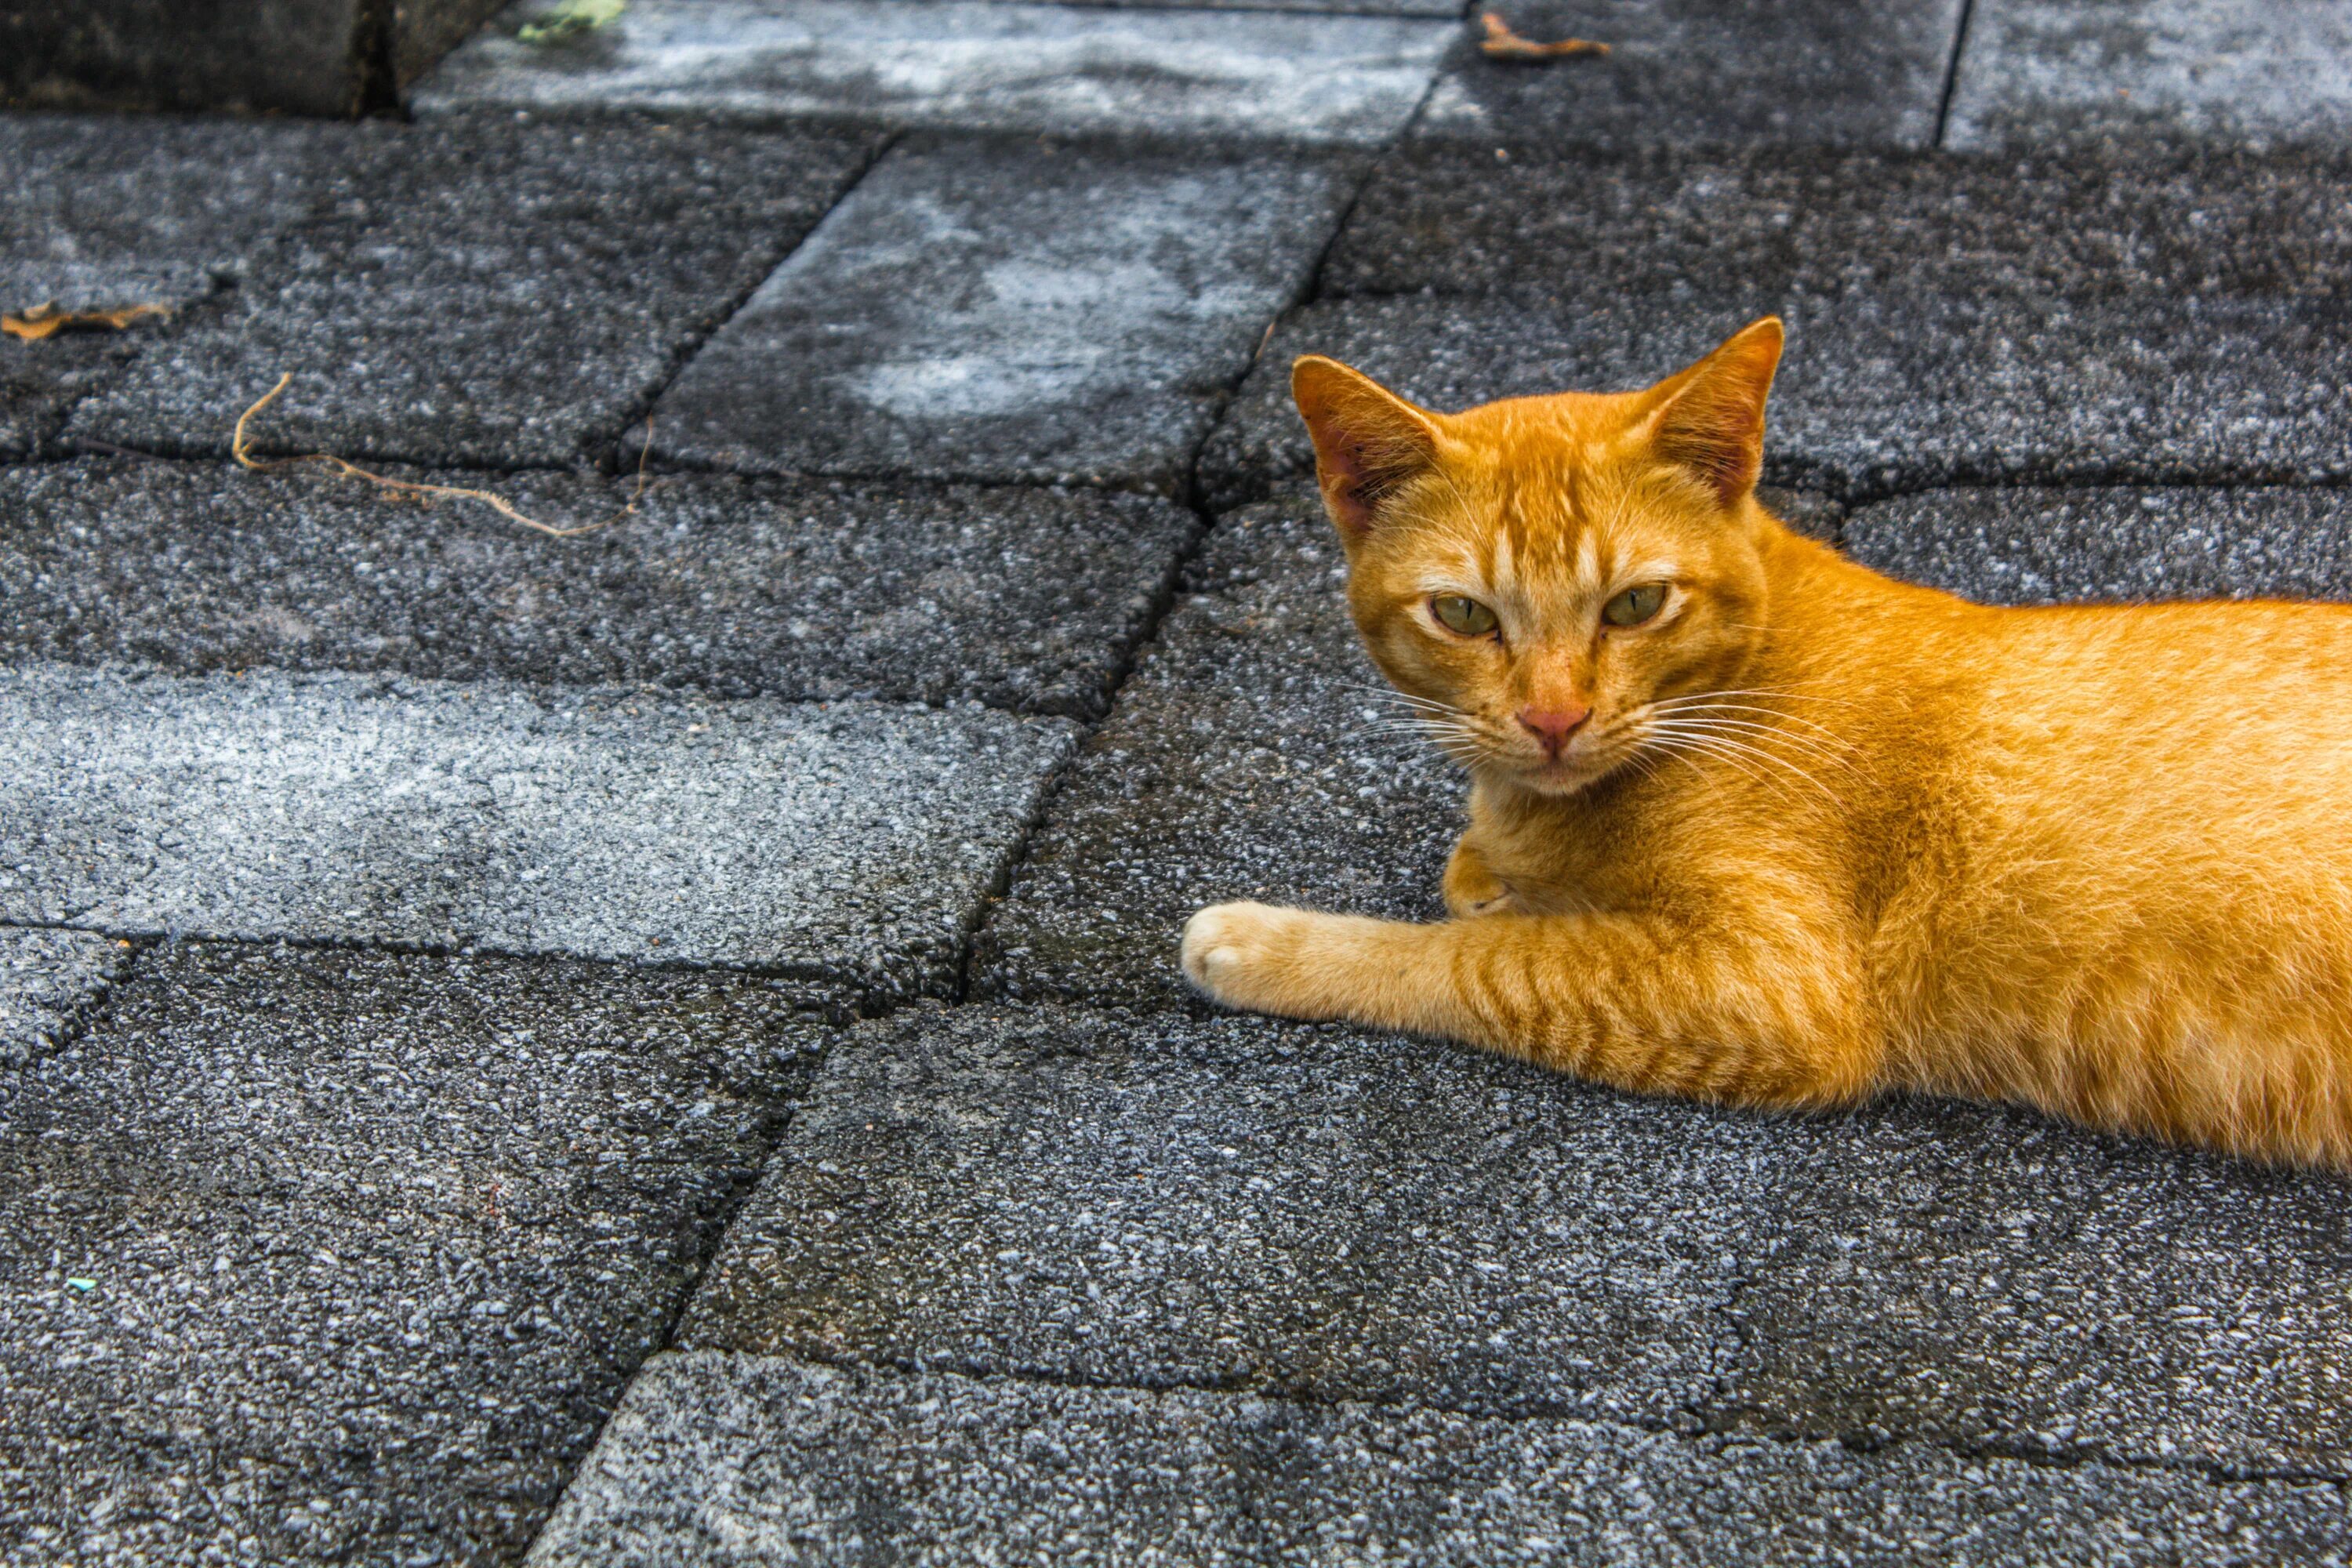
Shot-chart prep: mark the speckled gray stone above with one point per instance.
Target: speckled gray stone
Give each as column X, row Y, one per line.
column 1075, row 70
column 2027, row 546
column 1003, row 310
column 334, row 1258
column 736, row 1460
column 1853, row 72
column 1148, row 1199
column 851, row 841
column 1237, row 763
column 48, row 980
column 2005, row 1283
column 1022, row 598
column 2122, row 71
column 1720, row 231
column 106, row 212
column 1878, row 391
column 500, row 294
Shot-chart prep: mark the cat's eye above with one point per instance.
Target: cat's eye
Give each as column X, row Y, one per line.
column 1466, row 617
column 1634, row 605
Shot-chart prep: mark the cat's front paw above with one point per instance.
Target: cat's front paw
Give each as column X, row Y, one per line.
column 1241, row 953
column 1471, row 887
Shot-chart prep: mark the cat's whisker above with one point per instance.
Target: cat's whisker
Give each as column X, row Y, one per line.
column 1728, row 749
column 1760, row 691
column 1745, row 728
column 1695, row 705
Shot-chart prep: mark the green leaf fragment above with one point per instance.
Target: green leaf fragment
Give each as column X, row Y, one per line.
column 572, row 16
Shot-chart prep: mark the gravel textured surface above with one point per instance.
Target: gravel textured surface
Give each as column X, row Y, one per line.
column 1147, row 1200
column 1867, row 72
column 1052, row 68
column 2126, row 70
column 48, row 979
column 327, row 1257
column 852, row 842
column 503, row 294
column 2004, row 1283
column 2027, row 546
column 1236, row 763
column 1006, row 310
column 1653, row 227
column 1026, row 599
column 736, row 1460
column 100, row 213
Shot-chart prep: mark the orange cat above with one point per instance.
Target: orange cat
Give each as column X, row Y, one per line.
column 1752, row 823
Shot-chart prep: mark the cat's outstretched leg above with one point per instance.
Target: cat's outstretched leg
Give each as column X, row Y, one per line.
column 1472, row 887
column 1621, row 999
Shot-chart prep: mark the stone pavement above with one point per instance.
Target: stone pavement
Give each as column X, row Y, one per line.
column 663, row 1046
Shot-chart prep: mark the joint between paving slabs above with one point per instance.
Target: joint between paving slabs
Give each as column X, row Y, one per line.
column 1164, row 595
column 77, row 1018
column 848, row 1002
column 376, row 72
column 610, row 455
column 2073, row 1457
column 1952, row 72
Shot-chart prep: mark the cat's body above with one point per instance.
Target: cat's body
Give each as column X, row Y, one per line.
column 1801, row 833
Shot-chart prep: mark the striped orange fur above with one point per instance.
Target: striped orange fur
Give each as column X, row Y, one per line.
column 1805, row 834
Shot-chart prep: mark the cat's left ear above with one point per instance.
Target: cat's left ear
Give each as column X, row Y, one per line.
column 1710, row 418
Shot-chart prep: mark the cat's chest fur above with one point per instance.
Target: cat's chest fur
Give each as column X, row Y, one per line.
column 1598, row 851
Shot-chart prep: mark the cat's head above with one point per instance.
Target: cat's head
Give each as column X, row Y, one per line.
column 1543, row 577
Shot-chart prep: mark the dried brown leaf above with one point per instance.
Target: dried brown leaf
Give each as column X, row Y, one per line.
column 1502, row 44
column 41, row 321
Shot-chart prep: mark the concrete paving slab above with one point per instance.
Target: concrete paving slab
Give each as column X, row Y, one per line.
column 326, row 1256
column 2247, row 71
column 1149, row 1200
column 500, row 295
column 718, row 1459
column 1878, row 392
column 48, row 979
column 852, row 842
column 1236, row 763
column 106, row 212
column 1003, row 310
column 2003, row 1283
column 1582, row 230
column 1686, row 72
column 2026, row 545
column 1029, row 599
column 1061, row 69
column 1156, row 1201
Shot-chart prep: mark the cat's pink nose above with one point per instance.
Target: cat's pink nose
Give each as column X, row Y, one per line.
column 1553, row 726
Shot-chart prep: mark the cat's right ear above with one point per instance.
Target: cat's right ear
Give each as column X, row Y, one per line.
column 1368, row 440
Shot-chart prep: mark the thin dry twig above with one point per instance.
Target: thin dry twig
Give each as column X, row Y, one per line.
column 41, row 321
column 427, row 493
column 1502, row 44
